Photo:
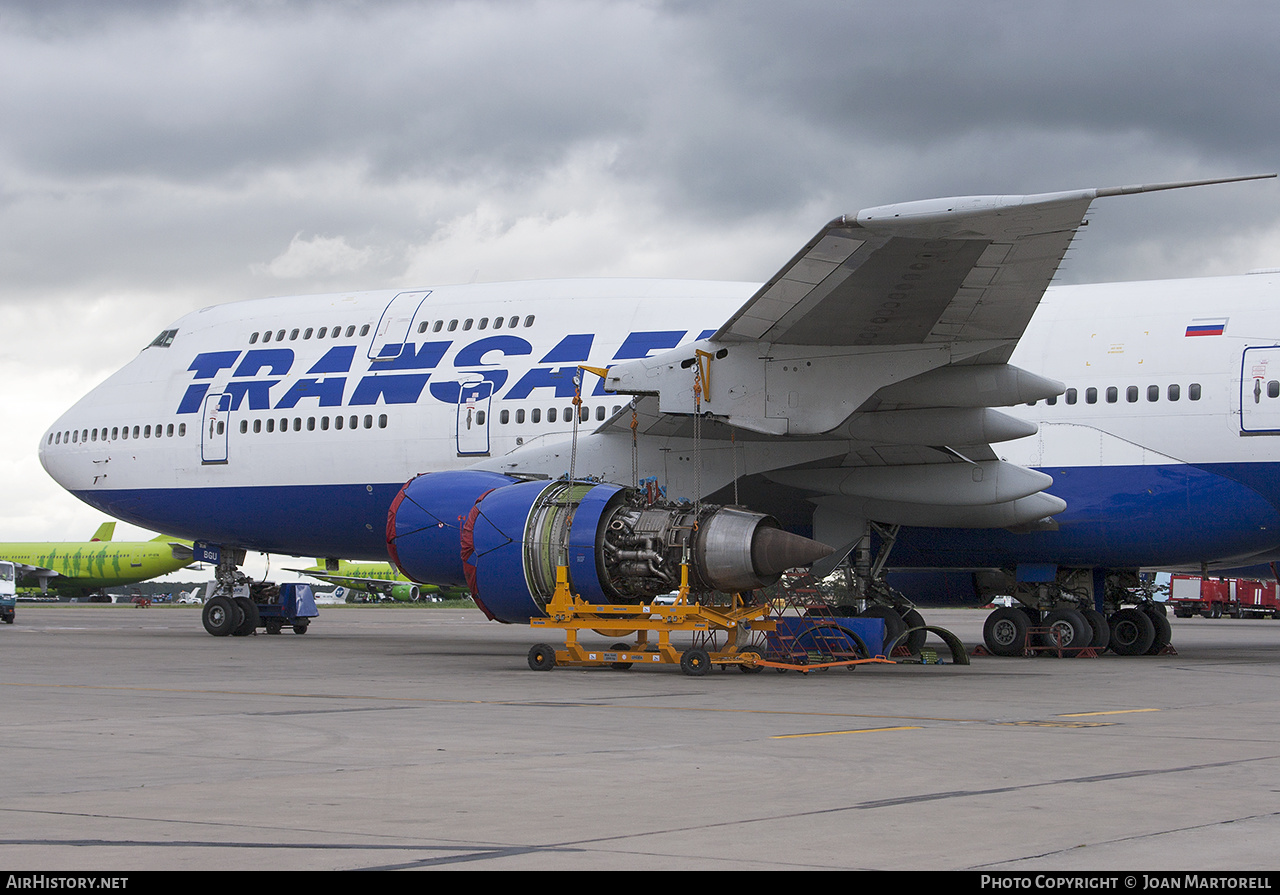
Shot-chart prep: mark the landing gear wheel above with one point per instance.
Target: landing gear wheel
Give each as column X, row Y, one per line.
column 542, row 657
column 1067, row 630
column 620, row 648
column 221, row 616
column 1005, row 631
column 914, row 641
column 1132, row 632
column 894, row 626
column 695, row 662
column 1164, row 631
column 249, row 617
column 1101, row 630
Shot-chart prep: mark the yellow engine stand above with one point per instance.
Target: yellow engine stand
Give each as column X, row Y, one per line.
column 571, row 614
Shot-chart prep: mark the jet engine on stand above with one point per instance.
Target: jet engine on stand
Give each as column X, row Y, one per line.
column 504, row 538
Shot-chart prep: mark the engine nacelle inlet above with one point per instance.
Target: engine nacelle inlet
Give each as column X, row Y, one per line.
column 505, row 538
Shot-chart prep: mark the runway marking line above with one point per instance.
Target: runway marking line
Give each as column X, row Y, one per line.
column 1116, row 712
column 833, row 733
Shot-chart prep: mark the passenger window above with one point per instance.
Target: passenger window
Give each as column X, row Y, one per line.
column 497, row 323
column 1071, row 396
column 323, row 332
column 1193, row 392
column 1113, row 394
column 1153, row 393
column 504, row 417
column 1051, row 400
column 1174, row 392
column 467, row 324
column 551, row 414
column 600, row 412
column 364, row 330
column 479, row 417
column 520, row 415
column 257, row 426
column 484, row 322
column 453, row 324
column 135, row 432
column 244, row 427
column 528, row 321
column 1131, row 394
column 324, row 424
column 280, row 336
column 439, row 324
column 311, row 424
column 535, row 415
column 337, row 422
column 306, row 335
column 168, row 431
column 513, row 322
column 368, row 421
column 351, row 331
column 182, row 429
column 293, row 336
column 1273, row 389
column 354, row 422
column 271, row 425
column 382, row 421
column 266, row 337
column 297, row 424
column 336, row 333
column 422, row 327
column 115, row 433
column 253, row 338
column 1091, row 395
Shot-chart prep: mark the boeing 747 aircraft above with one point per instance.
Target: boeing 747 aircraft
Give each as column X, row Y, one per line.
column 907, row 392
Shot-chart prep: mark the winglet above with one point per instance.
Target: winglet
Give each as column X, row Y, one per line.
column 104, row 532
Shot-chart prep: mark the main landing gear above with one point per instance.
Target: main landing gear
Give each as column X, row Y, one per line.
column 1061, row 620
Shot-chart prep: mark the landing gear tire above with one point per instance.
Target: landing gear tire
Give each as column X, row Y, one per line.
column 1101, row 630
column 695, row 662
column 542, row 657
column 1005, row 631
column 221, row 616
column 894, row 626
column 249, row 617
column 914, row 641
column 1132, row 632
column 1164, row 631
column 1068, row 630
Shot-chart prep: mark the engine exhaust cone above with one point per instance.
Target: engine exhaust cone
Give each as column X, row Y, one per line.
column 773, row 551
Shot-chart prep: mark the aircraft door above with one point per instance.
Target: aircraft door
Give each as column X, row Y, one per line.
column 216, row 428
column 1260, row 391
column 394, row 328
column 473, row 417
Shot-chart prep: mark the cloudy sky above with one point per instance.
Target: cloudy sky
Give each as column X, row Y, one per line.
column 157, row 157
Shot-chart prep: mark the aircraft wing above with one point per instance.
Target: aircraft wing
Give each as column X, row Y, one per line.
column 889, row 332
column 25, row 572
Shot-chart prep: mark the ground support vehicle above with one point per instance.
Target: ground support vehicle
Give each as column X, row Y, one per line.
column 1215, row 597
column 8, row 592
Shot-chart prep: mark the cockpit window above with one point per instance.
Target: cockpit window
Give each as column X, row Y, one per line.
column 164, row 340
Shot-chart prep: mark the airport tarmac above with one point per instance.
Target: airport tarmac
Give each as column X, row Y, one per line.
column 402, row 738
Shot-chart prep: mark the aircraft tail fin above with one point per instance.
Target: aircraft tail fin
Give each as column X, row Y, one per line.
column 105, row 532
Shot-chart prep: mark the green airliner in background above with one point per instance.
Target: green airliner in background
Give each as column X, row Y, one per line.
column 81, row 568
column 377, row 578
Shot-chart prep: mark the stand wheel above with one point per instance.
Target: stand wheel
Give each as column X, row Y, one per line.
column 542, row 657
column 695, row 662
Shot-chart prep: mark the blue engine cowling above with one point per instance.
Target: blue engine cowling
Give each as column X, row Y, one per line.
column 504, row 539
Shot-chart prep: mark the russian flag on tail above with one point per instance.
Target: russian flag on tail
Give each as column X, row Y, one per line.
column 1207, row 326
